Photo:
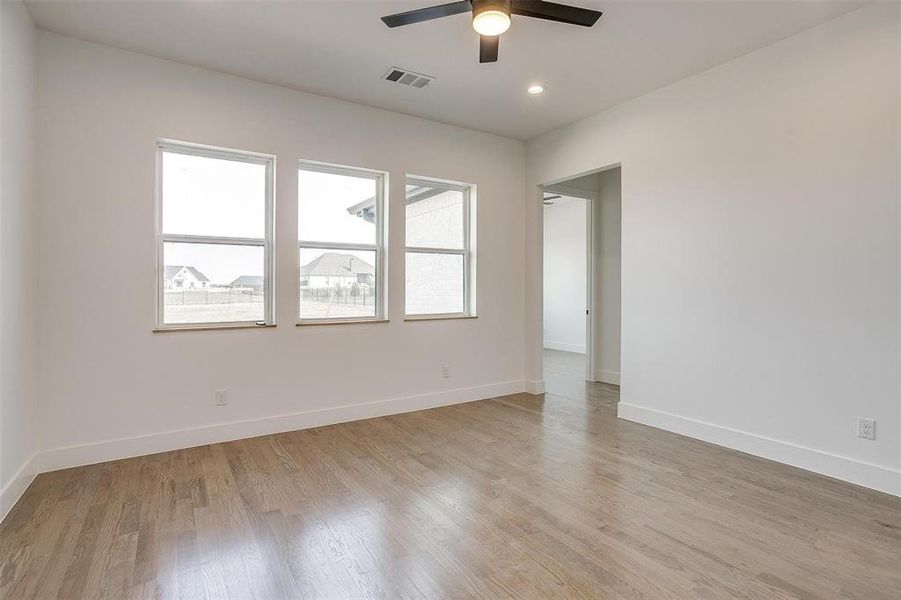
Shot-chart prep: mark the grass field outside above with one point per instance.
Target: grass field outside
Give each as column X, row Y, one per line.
column 223, row 306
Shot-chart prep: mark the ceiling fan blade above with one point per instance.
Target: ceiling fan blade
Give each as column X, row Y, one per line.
column 551, row 11
column 554, row 197
column 427, row 14
column 488, row 48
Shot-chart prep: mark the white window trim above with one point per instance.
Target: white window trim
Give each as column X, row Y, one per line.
column 267, row 242
column 467, row 252
column 379, row 247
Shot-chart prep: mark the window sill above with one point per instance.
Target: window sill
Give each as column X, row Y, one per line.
column 316, row 323
column 438, row 317
column 222, row 327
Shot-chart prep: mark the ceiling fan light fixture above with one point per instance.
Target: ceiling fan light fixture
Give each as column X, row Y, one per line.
column 491, row 19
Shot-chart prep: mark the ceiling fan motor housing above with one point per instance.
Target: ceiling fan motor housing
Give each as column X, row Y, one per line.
column 480, row 7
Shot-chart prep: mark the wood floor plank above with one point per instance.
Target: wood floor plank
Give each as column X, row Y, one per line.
column 519, row 497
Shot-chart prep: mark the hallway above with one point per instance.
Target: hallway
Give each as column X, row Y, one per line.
column 564, row 377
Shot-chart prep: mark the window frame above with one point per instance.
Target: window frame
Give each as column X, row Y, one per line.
column 164, row 145
column 379, row 247
column 467, row 252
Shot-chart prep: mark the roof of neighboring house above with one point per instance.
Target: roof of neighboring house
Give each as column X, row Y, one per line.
column 415, row 193
column 248, row 281
column 336, row 264
column 173, row 270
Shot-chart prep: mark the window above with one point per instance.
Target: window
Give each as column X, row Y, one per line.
column 340, row 232
column 214, row 237
column 439, row 264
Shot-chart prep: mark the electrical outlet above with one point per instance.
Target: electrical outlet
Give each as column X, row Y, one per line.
column 445, row 371
column 866, row 428
column 221, row 397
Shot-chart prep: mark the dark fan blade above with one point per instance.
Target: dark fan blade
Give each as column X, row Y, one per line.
column 427, row 14
column 488, row 48
column 551, row 11
column 554, row 197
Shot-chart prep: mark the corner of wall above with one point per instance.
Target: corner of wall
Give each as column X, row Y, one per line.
column 17, row 484
column 19, row 434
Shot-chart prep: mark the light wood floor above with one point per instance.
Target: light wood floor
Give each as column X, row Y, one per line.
column 518, row 497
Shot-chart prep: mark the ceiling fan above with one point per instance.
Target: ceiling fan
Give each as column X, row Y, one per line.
column 491, row 18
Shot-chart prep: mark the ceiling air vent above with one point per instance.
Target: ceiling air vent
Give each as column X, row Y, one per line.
column 408, row 78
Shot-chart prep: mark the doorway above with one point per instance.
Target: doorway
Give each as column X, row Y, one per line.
column 581, row 222
column 565, row 310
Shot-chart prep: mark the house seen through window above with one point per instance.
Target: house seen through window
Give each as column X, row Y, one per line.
column 340, row 242
column 439, row 234
column 214, row 238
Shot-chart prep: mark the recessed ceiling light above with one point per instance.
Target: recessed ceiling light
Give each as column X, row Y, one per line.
column 536, row 89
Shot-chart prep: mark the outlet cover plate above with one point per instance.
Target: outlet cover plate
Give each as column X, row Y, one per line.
column 866, row 428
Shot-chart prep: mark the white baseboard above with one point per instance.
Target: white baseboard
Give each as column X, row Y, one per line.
column 611, row 377
column 861, row 473
column 86, row 454
column 577, row 348
column 16, row 486
column 534, row 387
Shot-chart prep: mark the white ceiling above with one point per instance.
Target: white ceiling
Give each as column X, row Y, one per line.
column 340, row 48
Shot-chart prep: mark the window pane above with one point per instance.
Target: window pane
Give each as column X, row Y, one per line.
column 434, row 283
column 336, row 208
column 434, row 217
column 212, row 283
column 337, row 284
column 213, row 196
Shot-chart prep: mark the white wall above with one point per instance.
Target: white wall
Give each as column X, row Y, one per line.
column 760, row 247
column 107, row 380
column 18, row 434
column 606, row 322
column 565, row 274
